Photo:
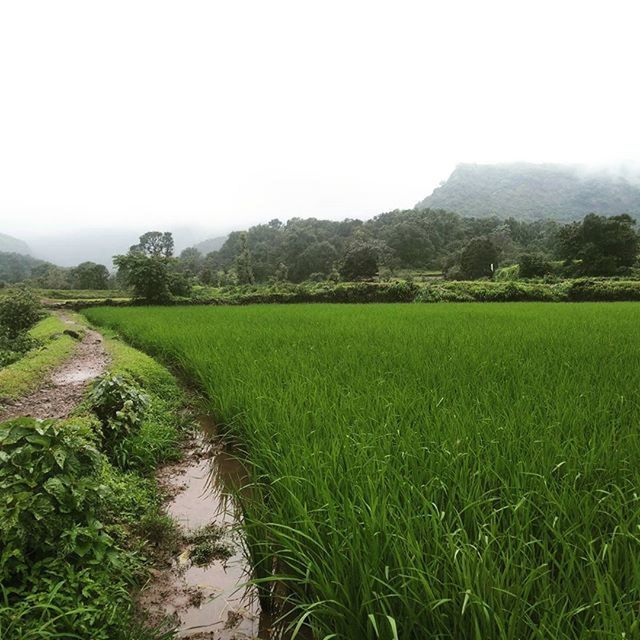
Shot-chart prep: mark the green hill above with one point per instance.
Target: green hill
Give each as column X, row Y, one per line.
column 9, row 244
column 533, row 191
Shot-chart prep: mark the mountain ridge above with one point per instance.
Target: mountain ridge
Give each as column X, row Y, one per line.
column 528, row 191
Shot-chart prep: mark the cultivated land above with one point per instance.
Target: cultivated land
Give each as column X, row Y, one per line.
column 443, row 471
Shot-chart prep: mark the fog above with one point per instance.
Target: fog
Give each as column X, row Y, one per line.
column 214, row 116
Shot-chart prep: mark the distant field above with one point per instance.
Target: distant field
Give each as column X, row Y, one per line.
column 430, row 471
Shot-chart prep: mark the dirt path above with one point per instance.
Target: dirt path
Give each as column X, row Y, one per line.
column 64, row 387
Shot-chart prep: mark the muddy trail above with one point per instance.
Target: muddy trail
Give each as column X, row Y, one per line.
column 63, row 388
column 198, row 600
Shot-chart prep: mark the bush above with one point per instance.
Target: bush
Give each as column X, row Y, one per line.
column 48, row 486
column 533, row 265
column 120, row 405
column 179, row 285
column 20, row 309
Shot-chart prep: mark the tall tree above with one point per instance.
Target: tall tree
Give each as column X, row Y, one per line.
column 244, row 271
column 89, row 275
column 479, row 258
column 147, row 267
column 154, row 243
column 363, row 258
column 603, row 246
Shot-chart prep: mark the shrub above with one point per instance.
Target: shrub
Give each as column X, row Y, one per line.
column 19, row 310
column 48, row 484
column 120, row 406
column 533, row 265
column 179, row 285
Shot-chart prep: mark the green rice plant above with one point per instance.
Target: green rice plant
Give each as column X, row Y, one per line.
column 428, row 471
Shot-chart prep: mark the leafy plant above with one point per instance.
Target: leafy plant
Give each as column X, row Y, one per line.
column 119, row 404
column 48, row 484
column 20, row 309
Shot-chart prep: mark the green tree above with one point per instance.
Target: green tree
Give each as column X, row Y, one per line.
column 479, row 258
column 89, row 275
column 316, row 258
column 191, row 261
column 19, row 310
column 533, row 265
column 148, row 266
column 154, row 243
column 50, row 276
column 244, row 270
column 362, row 259
column 603, row 246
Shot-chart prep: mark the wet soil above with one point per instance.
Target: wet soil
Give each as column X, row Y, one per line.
column 205, row 602
column 63, row 389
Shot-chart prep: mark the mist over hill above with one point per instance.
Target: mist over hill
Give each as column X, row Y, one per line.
column 69, row 248
column 210, row 244
column 9, row 244
column 534, row 191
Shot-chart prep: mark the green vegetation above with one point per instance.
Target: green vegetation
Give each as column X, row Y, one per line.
column 52, row 347
column 533, row 191
column 15, row 267
column 150, row 269
column 506, row 287
column 19, row 311
column 79, row 520
column 446, row 471
column 394, row 241
column 599, row 245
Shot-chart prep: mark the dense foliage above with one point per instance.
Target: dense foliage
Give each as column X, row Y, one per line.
column 20, row 309
column 150, row 269
column 419, row 240
column 601, row 246
column 531, row 192
column 16, row 268
column 79, row 519
column 49, row 483
column 120, row 405
column 446, row 471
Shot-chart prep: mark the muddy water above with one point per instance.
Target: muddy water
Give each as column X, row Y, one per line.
column 209, row 602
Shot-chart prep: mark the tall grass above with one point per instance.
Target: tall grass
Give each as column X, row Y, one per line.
column 467, row 471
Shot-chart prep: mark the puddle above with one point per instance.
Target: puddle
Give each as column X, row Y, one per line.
column 208, row 602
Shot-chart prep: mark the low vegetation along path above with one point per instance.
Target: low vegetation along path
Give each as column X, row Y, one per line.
column 63, row 388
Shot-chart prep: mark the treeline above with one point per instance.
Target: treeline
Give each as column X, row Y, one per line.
column 312, row 249
column 16, row 267
column 411, row 242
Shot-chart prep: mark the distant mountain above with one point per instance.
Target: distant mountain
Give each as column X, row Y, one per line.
column 210, row 244
column 532, row 191
column 9, row 244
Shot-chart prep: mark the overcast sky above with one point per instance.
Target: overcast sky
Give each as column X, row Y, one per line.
column 224, row 114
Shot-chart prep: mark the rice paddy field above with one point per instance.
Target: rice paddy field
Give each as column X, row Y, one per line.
column 429, row 471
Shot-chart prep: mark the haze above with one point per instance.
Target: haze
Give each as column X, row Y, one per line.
column 144, row 115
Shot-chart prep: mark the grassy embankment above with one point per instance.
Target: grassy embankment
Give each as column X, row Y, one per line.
column 446, row 471
column 26, row 374
column 80, row 515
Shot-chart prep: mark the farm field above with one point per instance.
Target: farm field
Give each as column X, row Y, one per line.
column 429, row 471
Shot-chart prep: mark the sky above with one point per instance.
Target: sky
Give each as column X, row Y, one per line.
column 218, row 115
